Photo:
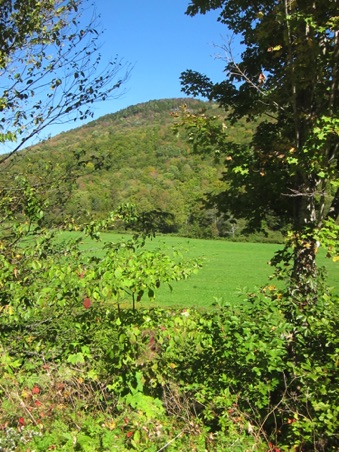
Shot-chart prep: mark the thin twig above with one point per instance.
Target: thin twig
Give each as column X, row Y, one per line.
column 22, row 404
column 227, row 49
column 170, row 442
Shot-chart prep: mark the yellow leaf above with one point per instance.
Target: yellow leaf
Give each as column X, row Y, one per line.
column 110, row 425
column 25, row 394
column 274, row 49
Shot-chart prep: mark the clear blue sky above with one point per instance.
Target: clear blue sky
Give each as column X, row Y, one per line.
column 160, row 41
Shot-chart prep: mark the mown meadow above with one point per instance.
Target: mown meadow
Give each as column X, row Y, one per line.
column 230, row 270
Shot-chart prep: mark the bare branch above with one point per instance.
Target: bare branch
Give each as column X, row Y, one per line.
column 235, row 71
column 55, row 78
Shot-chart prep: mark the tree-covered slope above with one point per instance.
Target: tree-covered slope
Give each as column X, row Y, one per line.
column 130, row 156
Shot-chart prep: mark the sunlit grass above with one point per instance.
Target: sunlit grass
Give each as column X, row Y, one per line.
column 229, row 270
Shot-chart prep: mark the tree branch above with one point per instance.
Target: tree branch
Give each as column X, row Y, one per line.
column 333, row 211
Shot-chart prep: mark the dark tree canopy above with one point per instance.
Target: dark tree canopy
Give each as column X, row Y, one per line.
column 287, row 79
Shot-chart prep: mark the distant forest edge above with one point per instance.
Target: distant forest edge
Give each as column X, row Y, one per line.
column 134, row 156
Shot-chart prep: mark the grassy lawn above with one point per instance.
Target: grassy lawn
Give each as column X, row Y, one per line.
column 229, row 269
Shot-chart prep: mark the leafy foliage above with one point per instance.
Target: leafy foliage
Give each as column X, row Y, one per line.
column 38, row 268
column 288, row 77
column 51, row 69
column 258, row 375
column 79, row 371
column 245, row 375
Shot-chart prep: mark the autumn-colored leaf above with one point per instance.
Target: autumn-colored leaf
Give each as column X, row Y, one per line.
column 110, row 425
column 87, row 303
column 25, row 394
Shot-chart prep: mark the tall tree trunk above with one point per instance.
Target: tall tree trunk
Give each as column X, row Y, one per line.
column 305, row 247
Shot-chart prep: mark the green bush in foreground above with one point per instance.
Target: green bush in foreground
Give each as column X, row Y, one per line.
column 81, row 372
column 228, row 379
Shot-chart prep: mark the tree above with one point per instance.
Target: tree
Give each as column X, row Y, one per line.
column 50, row 67
column 50, row 73
column 287, row 80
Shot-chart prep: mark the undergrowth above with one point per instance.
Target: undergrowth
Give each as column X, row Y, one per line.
column 229, row 379
column 80, row 373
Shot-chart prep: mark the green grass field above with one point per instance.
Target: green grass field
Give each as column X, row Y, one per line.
column 230, row 269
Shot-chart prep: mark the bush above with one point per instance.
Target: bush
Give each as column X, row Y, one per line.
column 80, row 372
column 234, row 374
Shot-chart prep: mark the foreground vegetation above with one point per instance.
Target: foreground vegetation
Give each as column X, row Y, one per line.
column 81, row 370
column 236, row 378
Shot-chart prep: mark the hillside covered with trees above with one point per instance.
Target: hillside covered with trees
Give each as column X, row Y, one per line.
column 135, row 156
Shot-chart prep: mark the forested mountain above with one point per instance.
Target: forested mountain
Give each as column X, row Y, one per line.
column 132, row 156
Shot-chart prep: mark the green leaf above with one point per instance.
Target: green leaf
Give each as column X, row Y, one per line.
column 77, row 358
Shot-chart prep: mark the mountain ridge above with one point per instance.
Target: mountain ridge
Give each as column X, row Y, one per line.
column 147, row 111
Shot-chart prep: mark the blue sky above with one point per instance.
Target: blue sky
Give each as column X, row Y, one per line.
column 160, row 41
